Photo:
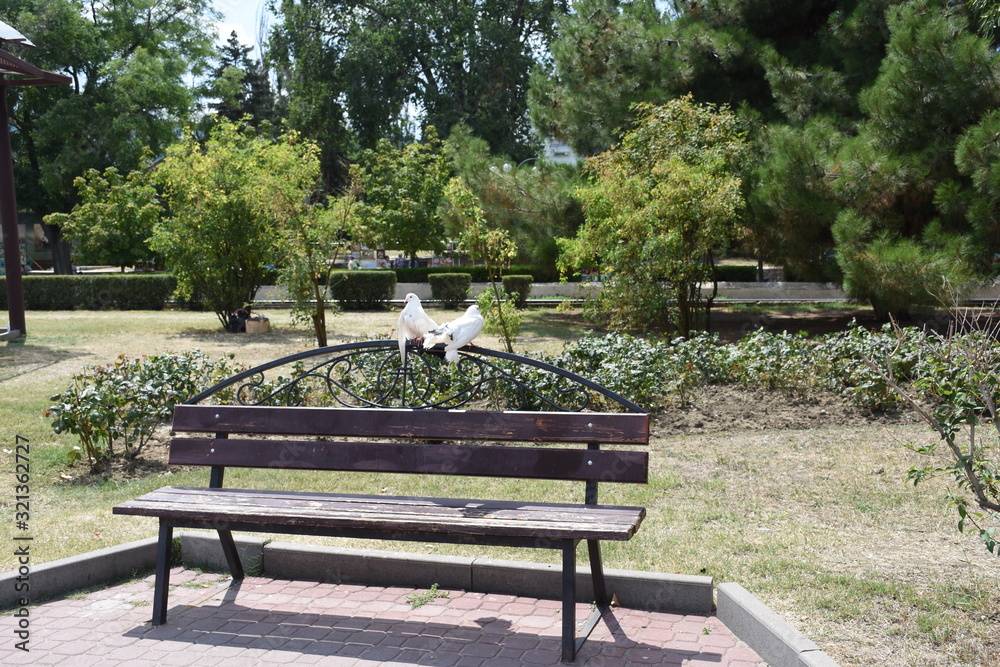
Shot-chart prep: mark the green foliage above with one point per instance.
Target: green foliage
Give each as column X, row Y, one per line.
column 840, row 364
column 651, row 373
column 771, row 361
column 114, row 219
column 959, row 379
column 94, row 292
column 451, row 289
column 123, row 403
column 532, row 200
column 898, row 274
column 664, row 200
column 479, row 273
column 362, row 290
column 420, row 599
column 445, row 62
column 490, row 243
column 402, row 192
column 241, row 85
column 518, row 287
column 632, row 367
column 607, row 56
column 131, row 64
column 736, row 273
column 229, row 199
column 501, row 316
column 312, row 239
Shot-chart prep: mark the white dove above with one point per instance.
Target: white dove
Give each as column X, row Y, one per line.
column 413, row 322
column 456, row 334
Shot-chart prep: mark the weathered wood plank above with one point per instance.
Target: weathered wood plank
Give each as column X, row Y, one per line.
column 421, row 458
column 389, row 513
column 554, row 427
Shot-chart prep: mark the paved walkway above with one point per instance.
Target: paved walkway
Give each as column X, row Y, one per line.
column 270, row 621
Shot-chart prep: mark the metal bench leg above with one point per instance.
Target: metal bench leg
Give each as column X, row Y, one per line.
column 569, row 602
column 164, row 556
column 600, row 592
column 232, row 556
column 597, row 573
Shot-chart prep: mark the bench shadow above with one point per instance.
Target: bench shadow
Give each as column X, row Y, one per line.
column 400, row 641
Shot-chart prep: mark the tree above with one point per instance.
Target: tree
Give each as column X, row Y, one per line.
column 608, row 56
column 114, row 219
column 242, row 85
column 495, row 248
column 532, row 201
column 959, row 379
column 312, row 241
column 383, row 67
column 228, row 200
column 131, row 63
column 661, row 203
column 902, row 194
column 403, row 190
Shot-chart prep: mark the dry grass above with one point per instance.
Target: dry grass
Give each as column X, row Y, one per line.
column 819, row 523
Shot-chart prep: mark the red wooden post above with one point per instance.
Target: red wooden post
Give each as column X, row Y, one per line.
column 8, row 217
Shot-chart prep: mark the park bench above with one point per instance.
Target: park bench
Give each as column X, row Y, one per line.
column 360, row 407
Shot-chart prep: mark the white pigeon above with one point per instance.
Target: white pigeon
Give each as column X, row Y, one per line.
column 414, row 323
column 456, row 334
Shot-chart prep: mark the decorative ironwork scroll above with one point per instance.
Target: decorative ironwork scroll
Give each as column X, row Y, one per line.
column 374, row 374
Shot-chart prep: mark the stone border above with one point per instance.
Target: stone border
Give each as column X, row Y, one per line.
column 649, row 591
column 764, row 631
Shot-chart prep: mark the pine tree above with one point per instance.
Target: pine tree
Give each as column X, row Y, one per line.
column 241, row 84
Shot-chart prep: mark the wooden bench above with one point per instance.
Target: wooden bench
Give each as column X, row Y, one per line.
column 357, row 434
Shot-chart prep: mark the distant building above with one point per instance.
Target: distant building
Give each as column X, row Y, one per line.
column 558, row 152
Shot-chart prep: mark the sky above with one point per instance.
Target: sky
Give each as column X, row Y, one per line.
column 241, row 16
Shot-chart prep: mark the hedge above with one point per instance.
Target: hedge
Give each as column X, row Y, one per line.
column 111, row 291
column 363, row 290
column 729, row 273
column 478, row 273
column 450, row 288
column 518, row 288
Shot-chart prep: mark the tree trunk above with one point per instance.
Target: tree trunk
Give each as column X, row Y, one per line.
column 61, row 264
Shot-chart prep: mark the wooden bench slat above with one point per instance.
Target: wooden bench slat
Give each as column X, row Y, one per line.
column 422, row 458
column 446, row 516
column 554, row 427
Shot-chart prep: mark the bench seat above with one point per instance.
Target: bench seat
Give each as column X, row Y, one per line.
column 331, row 513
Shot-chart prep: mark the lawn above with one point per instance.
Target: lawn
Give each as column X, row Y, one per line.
column 819, row 522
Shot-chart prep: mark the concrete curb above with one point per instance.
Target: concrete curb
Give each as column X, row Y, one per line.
column 765, row 632
column 648, row 591
column 63, row 576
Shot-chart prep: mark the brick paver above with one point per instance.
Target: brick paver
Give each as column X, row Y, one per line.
column 269, row 621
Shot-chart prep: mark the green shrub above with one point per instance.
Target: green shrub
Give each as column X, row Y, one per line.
column 122, row 403
column 363, row 290
column 518, row 287
column 632, row 367
column 736, row 274
column 500, row 316
column 451, row 289
column 771, row 361
column 113, row 291
column 842, row 364
column 51, row 292
column 478, row 273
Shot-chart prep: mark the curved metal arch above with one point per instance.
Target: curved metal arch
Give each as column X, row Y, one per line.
column 417, row 383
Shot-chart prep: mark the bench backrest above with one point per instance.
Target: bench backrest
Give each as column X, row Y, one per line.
column 446, row 442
